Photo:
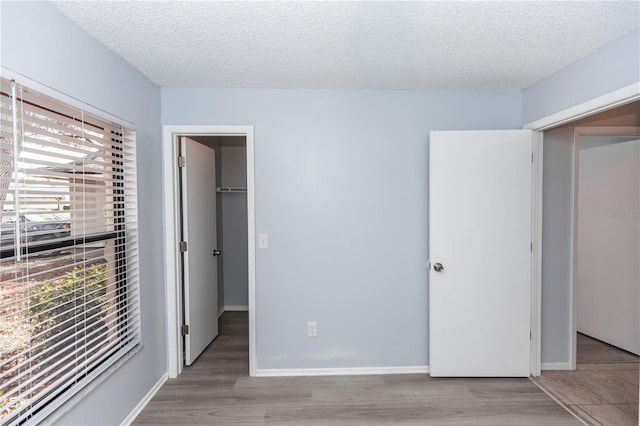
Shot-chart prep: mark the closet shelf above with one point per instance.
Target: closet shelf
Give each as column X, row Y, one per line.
column 224, row 189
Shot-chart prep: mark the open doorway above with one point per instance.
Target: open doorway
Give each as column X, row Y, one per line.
column 213, row 219
column 607, row 222
column 231, row 220
column 590, row 267
column 234, row 178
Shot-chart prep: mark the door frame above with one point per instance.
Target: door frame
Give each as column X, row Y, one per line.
column 602, row 103
column 171, row 217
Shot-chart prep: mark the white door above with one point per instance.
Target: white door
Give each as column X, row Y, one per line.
column 480, row 253
column 199, row 231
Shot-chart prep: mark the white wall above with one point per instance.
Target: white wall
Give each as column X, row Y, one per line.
column 608, row 273
column 43, row 45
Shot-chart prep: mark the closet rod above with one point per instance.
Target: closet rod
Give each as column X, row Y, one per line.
column 230, row 189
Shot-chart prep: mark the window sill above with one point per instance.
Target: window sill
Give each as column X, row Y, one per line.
column 53, row 417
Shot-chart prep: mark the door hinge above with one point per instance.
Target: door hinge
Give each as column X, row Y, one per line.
column 532, row 157
column 185, row 329
column 532, row 246
column 530, row 335
column 182, row 161
column 183, row 246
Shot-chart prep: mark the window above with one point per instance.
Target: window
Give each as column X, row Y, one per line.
column 69, row 304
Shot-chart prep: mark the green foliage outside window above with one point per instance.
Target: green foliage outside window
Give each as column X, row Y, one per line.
column 56, row 306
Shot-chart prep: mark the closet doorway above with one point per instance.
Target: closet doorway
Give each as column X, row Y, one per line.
column 231, row 220
column 234, row 221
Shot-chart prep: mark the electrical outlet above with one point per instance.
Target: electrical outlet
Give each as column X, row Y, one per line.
column 312, row 329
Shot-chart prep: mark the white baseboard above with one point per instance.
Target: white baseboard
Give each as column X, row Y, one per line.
column 144, row 401
column 358, row 371
column 236, row 308
column 555, row 366
column 220, row 312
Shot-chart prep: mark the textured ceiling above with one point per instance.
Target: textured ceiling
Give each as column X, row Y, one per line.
column 384, row 45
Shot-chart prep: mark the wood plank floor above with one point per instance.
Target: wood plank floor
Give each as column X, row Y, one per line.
column 604, row 388
column 217, row 390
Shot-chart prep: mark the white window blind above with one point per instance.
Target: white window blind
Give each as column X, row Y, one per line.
column 69, row 298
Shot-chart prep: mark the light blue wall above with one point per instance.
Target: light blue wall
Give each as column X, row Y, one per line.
column 234, row 227
column 614, row 66
column 557, row 263
column 341, row 189
column 42, row 44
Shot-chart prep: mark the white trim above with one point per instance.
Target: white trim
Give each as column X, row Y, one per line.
column 573, row 254
column 53, row 93
column 602, row 103
column 236, row 308
column 610, row 100
column 556, row 366
column 220, row 312
column 144, row 401
column 356, row 371
column 172, row 255
column 251, row 235
column 536, row 254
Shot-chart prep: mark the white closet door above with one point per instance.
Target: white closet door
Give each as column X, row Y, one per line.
column 200, row 264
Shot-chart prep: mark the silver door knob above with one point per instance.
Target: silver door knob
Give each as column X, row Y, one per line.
column 438, row 267
column 216, row 252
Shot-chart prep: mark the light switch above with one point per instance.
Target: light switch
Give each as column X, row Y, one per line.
column 263, row 241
